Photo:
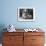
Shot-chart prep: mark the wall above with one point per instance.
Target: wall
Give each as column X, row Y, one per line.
column 8, row 9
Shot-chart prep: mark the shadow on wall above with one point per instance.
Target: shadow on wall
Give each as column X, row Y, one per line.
column 2, row 26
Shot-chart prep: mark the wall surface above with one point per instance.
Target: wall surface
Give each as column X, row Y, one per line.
column 8, row 13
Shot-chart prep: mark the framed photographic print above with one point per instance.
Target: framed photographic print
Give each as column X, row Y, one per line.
column 26, row 14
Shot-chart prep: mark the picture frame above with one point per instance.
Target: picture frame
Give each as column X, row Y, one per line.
column 26, row 14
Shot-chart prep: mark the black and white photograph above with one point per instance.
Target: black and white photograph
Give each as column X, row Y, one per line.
column 26, row 14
